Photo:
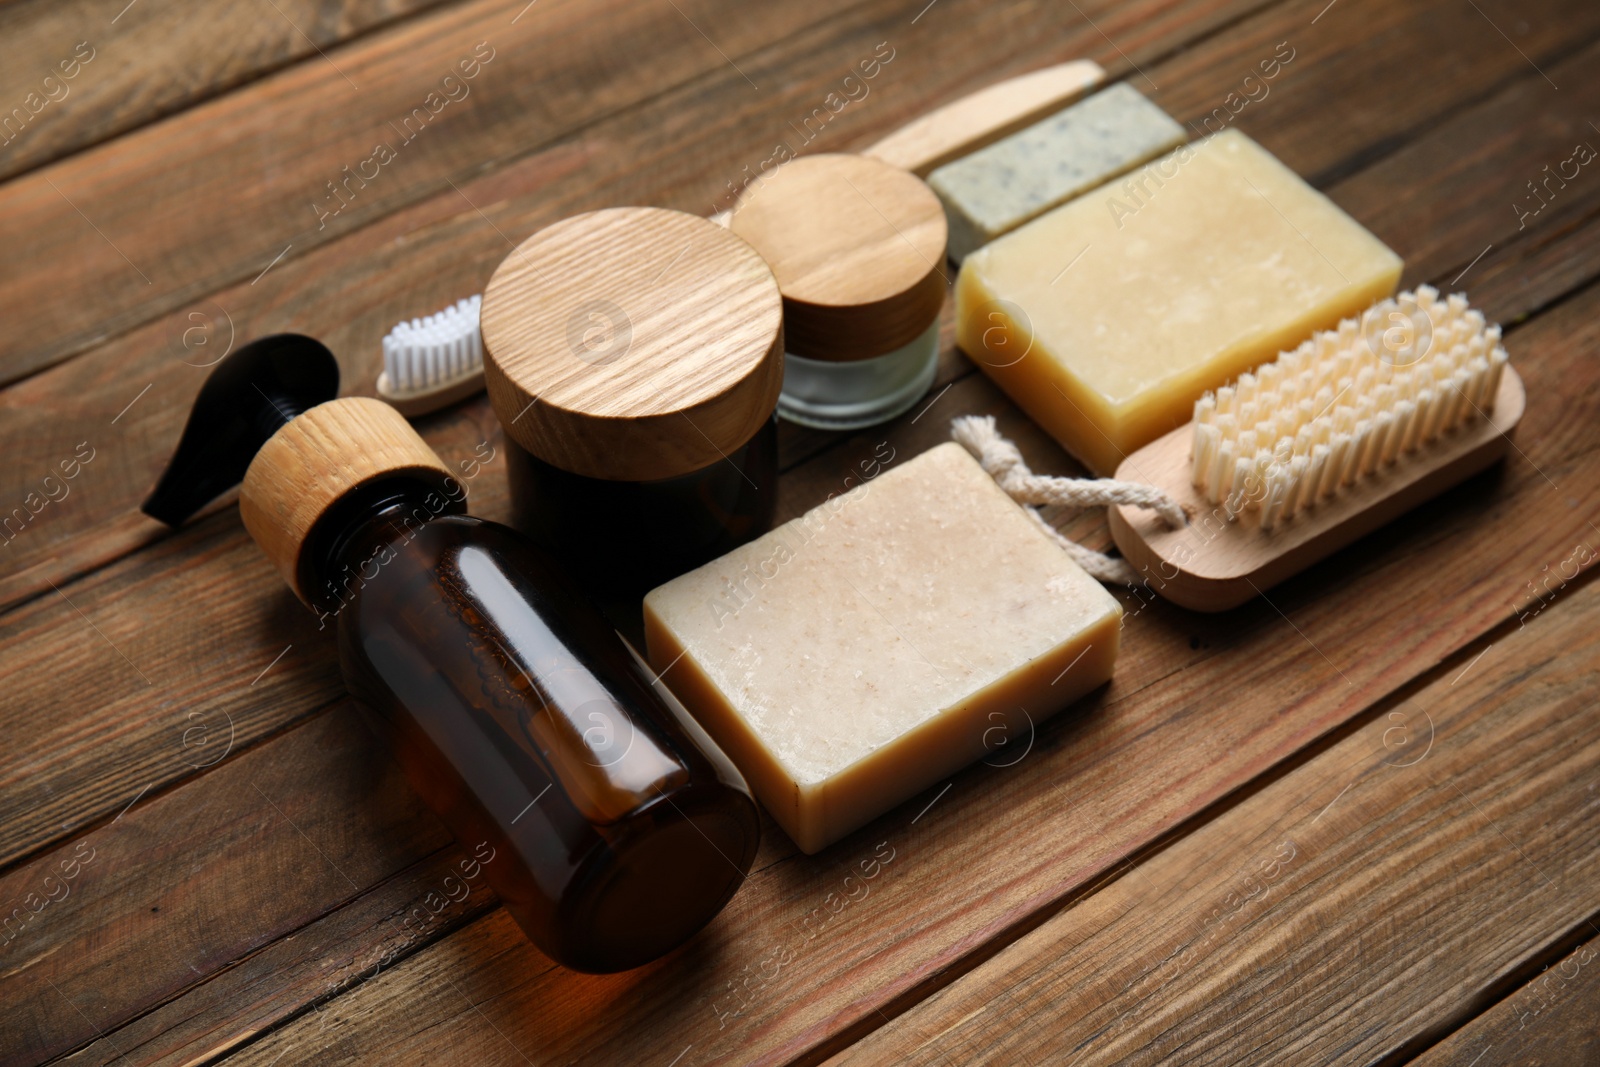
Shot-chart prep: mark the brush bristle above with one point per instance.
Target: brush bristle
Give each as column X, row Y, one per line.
column 426, row 353
column 1331, row 412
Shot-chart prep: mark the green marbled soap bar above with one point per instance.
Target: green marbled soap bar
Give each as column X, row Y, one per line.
column 997, row 189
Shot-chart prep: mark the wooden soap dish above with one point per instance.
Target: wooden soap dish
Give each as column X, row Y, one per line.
column 1214, row 563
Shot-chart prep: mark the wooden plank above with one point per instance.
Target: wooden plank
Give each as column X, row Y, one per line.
column 237, row 569
column 248, row 640
column 1551, row 1021
column 352, row 291
column 1345, row 911
column 1036, row 453
column 772, row 982
column 1457, row 155
column 1417, row 96
column 688, row 146
column 133, row 465
column 575, row 51
column 130, row 229
column 285, row 969
column 203, row 50
column 199, row 630
column 301, row 972
column 135, row 890
column 1519, row 280
column 244, row 560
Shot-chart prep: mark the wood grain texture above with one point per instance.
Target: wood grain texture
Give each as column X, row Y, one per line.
column 1359, row 903
column 857, row 246
column 453, row 437
column 260, row 645
column 149, row 61
column 633, row 343
column 984, row 117
column 218, row 193
column 689, row 145
column 1459, row 151
column 1288, row 113
column 154, row 882
column 355, row 287
column 1551, row 1021
column 400, row 860
column 352, row 291
column 756, row 988
column 299, row 973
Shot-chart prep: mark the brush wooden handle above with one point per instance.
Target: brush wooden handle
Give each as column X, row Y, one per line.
column 1214, row 564
column 979, row 119
column 424, row 401
column 984, row 117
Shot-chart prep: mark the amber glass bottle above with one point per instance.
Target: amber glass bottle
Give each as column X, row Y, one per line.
column 522, row 720
column 517, row 713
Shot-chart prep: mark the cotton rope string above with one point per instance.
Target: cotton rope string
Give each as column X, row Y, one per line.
column 998, row 456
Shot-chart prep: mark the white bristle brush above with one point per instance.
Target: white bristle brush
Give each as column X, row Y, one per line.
column 1322, row 446
column 432, row 362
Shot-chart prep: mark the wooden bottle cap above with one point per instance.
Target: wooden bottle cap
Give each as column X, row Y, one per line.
column 314, row 460
column 858, row 247
column 633, row 343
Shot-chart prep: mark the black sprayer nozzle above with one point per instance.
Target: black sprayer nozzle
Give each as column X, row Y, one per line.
column 252, row 393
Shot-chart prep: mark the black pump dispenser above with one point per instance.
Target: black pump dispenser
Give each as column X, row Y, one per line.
column 251, row 394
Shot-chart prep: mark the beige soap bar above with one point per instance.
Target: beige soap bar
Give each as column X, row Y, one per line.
column 856, row 655
column 1107, row 318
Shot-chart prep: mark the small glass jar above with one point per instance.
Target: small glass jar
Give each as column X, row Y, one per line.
column 827, row 395
column 858, row 248
column 634, row 357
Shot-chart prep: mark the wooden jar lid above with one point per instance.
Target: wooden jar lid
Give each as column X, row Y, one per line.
column 858, row 247
column 633, row 343
column 315, row 459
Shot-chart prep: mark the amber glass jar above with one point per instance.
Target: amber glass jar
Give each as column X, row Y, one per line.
column 616, row 827
column 690, row 518
column 634, row 357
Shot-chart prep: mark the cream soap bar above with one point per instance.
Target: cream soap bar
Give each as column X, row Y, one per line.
column 1107, row 318
column 858, row 654
column 995, row 190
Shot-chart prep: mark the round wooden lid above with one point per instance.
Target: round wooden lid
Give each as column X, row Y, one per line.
column 633, row 343
column 315, row 459
column 858, row 247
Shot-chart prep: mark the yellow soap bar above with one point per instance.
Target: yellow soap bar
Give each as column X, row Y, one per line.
column 1107, row 318
column 856, row 655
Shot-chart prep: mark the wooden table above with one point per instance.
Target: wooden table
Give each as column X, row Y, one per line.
column 1359, row 823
